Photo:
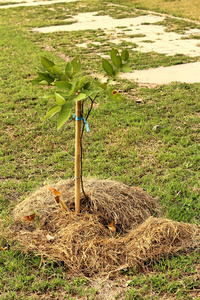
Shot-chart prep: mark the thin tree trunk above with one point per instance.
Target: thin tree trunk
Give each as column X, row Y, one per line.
column 78, row 157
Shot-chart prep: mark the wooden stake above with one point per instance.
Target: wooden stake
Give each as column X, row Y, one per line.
column 78, row 158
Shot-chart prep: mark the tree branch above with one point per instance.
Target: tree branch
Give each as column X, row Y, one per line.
column 83, row 127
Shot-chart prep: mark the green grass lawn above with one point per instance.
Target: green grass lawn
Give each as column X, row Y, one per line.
column 121, row 145
column 180, row 8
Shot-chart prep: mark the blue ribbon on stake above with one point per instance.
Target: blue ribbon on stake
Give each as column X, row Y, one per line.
column 84, row 120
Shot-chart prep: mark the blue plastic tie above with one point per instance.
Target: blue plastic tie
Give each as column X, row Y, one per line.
column 84, row 120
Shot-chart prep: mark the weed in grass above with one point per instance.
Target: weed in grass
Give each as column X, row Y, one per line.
column 133, row 294
column 138, row 35
column 80, row 281
column 8, row 3
column 147, row 41
column 191, row 37
column 177, row 25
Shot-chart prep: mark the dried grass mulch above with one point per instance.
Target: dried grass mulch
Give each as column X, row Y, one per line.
column 84, row 242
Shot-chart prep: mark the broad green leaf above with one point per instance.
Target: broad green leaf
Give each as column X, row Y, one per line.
column 64, row 115
column 43, row 82
column 64, row 77
column 118, row 62
column 103, row 86
column 90, row 92
column 72, row 90
column 114, row 95
column 59, row 99
column 47, row 77
column 69, row 70
column 49, row 96
column 95, row 92
column 87, row 92
column 80, row 84
column 126, row 69
column 55, row 70
column 42, row 69
column 53, row 110
column 117, row 97
column 107, row 67
column 116, row 59
column 36, row 81
column 113, row 52
column 52, row 95
column 87, row 85
column 125, row 55
column 80, row 97
column 76, row 65
column 46, row 63
column 63, row 85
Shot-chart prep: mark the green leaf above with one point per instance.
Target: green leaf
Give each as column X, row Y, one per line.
column 63, row 85
column 114, row 95
column 49, row 96
column 107, row 67
column 103, row 85
column 125, row 55
column 43, row 82
column 42, row 69
column 80, row 97
column 69, row 70
column 52, row 95
column 64, row 115
column 80, row 84
column 46, row 63
column 95, row 92
column 76, row 65
column 72, row 90
column 116, row 59
column 36, row 81
column 47, row 77
column 59, row 99
column 117, row 97
column 55, row 70
column 53, row 110
column 113, row 52
column 87, row 85
column 87, row 92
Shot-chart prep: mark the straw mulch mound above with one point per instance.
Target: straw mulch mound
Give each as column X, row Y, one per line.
column 109, row 200
column 84, row 242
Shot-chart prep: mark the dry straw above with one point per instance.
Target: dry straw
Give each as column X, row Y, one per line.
column 84, row 242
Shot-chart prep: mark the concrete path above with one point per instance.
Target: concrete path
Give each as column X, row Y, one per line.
column 189, row 73
column 32, row 3
column 140, row 30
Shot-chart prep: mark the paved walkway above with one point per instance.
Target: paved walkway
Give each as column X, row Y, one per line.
column 31, row 2
column 189, row 73
column 140, row 30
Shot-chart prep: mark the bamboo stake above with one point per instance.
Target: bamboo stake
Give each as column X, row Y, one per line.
column 77, row 158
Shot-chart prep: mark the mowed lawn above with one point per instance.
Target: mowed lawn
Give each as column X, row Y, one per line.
column 121, row 145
